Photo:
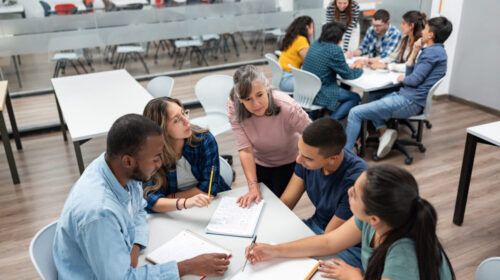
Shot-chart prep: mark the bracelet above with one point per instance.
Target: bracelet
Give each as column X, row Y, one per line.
column 177, row 204
column 253, row 183
column 184, row 204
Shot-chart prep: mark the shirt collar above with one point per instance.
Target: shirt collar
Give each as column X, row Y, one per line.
column 118, row 190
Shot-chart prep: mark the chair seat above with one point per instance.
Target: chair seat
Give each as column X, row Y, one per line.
column 418, row 118
column 65, row 56
column 312, row 107
column 208, row 37
column 188, row 43
column 129, row 49
column 275, row 32
column 216, row 123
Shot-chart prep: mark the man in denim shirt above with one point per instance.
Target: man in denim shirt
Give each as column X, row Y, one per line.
column 103, row 224
column 411, row 98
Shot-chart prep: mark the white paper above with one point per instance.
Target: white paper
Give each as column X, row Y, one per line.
column 231, row 219
column 183, row 246
column 289, row 269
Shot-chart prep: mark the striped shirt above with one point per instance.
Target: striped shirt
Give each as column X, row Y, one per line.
column 330, row 16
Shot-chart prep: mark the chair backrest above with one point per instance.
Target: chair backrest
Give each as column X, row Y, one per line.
column 428, row 102
column 306, row 87
column 226, row 172
column 213, row 91
column 276, row 69
column 46, row 8
column 65, row 9
column 41, row 252
column 489, row 269
column 161, row 86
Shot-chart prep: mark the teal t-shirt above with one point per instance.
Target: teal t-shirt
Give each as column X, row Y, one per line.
column 401, row 259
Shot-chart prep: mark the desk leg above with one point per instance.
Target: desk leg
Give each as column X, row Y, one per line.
column 61, row 119
column 79, row 158
column 16, row 66
column 465, row 176
column 8, row 150
column 13, row 124
column 364, row 127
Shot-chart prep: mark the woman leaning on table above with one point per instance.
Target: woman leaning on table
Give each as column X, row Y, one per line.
column 267, row 124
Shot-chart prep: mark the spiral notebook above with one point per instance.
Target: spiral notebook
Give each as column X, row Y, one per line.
column 292, row 269
column 231, row 219
column 183, row 246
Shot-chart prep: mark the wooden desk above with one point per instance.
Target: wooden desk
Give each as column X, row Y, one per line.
column 486, row 134
column 5, row 103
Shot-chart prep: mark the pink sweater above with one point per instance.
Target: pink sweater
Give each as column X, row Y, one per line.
column 272, row 138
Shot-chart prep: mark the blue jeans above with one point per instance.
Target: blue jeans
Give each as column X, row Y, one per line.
column 389, row 106
column 346, row 99
column 351, row 255
column 286, row 83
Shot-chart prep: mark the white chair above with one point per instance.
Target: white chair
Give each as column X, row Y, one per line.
column 306, row 87
column 226, row 172
column 276, row 69
column 161, row 86
column 192, row 46
column 424, row 117
column 41, row 252
column 213, row 92
column 489, row 269
column 134, row 51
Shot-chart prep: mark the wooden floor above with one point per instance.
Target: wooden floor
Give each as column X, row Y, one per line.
column 47, row 169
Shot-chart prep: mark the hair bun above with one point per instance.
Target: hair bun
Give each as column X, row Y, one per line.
column 423, row 15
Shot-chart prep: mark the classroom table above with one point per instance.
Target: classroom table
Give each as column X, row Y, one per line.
column 370, row 81
column 486, row 134
column 277, row 224
column 90, row 104
column 5, row 103
column 12, row 10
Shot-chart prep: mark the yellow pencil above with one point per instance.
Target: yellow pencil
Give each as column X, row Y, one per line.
column 210, row 184
column 310, row 275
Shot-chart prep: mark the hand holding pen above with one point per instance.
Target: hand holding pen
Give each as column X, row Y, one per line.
column 258, row 252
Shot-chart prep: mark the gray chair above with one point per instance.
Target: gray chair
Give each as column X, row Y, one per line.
column 226, row 172
column 276, row 69
column 489, row 269
column 306, row 87
column 161, row 86
column 41, row 252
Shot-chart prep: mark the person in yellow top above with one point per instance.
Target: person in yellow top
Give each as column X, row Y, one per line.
column 294, row 48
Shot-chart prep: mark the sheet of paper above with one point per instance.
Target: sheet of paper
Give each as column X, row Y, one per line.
column 183, row 246
column 291, row 269
column 231, row 219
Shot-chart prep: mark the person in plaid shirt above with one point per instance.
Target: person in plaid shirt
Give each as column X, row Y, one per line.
column 380, row 40
column 189, row 153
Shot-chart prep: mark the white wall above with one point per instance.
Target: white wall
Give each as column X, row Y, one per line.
column 451, row 9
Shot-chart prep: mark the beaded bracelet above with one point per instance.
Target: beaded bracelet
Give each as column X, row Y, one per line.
column 177, row 204
column 184, row 204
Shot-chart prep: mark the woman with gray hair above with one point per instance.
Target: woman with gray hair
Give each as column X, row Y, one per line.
column 266, row 124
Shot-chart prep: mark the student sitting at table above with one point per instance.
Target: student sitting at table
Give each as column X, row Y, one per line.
column 103, row 224
column 396, row 228
column 412, row 24
column 266, row 124
column 294, row 48
column 381, row 39
column 325, row 171
column 188, row 155
column 326, row 60
column 421, row 75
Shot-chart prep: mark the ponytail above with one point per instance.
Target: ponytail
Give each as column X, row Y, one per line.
column 418, row 19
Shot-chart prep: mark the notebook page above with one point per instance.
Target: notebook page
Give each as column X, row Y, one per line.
column 183, row 246
column 231, row 219
column 291, row 269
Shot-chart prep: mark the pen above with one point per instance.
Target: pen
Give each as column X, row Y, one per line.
column 251, row 246
column 210, row 184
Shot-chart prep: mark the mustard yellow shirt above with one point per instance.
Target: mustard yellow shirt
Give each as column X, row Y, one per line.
column 291, row 55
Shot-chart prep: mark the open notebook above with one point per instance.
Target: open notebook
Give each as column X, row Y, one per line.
column 291, row 269
column 183, row 246
column 231, row 219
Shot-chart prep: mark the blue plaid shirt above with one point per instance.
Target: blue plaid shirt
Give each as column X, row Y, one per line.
column 388, row 44
column 201, row 156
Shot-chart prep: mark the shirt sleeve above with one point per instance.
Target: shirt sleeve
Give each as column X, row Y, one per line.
column 343, row 211
column 140, row 222
column 300, row 171
column 329, row 12
column 417, row 73
column 401, row 261
column 391, row 44
column 105, row 249
column 300, row 43
column 350, row 27
column 367, row 40
column 210, row 158
column 339, row 65
column 298, row 119
column 153, row 197
column 242, row 140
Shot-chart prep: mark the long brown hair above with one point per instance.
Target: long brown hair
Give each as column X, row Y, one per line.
column 418, row 19
column 348, row 12
column 157, row 111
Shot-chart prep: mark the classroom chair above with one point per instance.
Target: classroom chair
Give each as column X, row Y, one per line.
column 276, row 70
column 161, row 86
column 226, row 171
column 41, row 252
column 489, row 269
column 306, row 87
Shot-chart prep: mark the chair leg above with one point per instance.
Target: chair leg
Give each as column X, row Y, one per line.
column 428, row 124
column 183, row 58
column 74, row 67
column 243, row 40
column 234, row 45
column 143, row 62
column 400, row 147
column 56, row 70
column 81, row 65
column 420, row 131
column 16, row 67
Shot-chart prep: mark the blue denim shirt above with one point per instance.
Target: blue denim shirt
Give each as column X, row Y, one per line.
column 100, row 222
column 429, row 68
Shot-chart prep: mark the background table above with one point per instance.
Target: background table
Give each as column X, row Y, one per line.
column 486, row 134
column 90, row 104
column 277, row 224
